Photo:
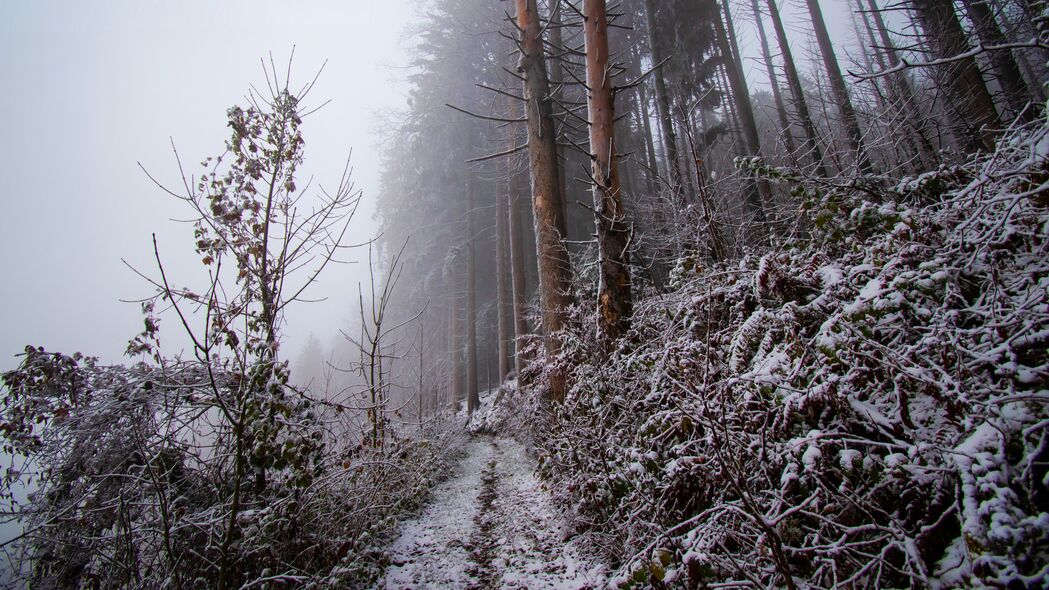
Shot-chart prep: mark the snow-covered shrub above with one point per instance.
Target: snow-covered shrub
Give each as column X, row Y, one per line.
column 864, row 408
column 129, row 483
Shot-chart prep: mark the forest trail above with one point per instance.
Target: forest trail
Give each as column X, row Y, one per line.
column 489, row 526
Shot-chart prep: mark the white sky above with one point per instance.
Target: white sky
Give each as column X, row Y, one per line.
column 91, row 88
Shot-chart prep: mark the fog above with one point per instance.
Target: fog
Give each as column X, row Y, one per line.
column 94, row 89
column 91, row 89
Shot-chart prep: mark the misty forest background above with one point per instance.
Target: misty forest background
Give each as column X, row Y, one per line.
column 781, row 330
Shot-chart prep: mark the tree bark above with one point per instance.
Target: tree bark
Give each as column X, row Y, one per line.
column 837, row 85
column 666, row 122
column 555, row 271
column 759, row 192
column 614, row 300
column 811, row 143
column 971, row 102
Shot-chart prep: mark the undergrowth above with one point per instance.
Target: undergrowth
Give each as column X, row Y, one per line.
column 864, row 407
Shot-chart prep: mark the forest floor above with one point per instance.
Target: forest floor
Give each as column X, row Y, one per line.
column 489, row 526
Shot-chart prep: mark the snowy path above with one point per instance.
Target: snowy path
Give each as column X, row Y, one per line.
column 489, row 526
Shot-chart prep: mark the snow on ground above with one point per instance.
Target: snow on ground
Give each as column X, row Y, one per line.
column 490, row 526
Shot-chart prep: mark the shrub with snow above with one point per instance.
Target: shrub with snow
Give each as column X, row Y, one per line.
column 862, row 408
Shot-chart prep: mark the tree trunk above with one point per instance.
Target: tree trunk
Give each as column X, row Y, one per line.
column 517, row 257
column 837, row 85
column 777, row 95
column 456, row 348
column 502, row 282
column 555, row 271
column 650, row 149
column 614, row 301
column 420, row 386
column 472, row 399
column 904, row 92
column 666, row 122
column 1017, row 95
column 758, row 192
column 556, row 81
column 971, row 102
column 811, row 143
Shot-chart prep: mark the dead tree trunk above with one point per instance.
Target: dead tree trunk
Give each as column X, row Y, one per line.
column 969, row 99
column 837, row 85
column 614, row 301
column 811, row 143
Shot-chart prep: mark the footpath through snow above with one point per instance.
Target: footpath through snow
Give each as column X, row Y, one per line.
column 489, row 526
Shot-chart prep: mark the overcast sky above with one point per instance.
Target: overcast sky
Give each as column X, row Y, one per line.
column 92, row 88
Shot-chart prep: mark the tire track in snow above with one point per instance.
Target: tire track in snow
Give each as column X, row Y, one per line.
column 490, row 526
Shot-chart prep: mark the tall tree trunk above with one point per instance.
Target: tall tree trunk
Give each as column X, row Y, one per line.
column 903, row 151
column 502, row 282
column 420, row 385
column 904, row 92
column 759, row 192
column 728, row 103
column 556, row 44
column 971, row 102
column 517, row 257
column 666, row 122
column 790, row 71
column 614, row 301
column 837, row 85
column 661, row 252
column 457, row 346
column 1017, row 95
column 777, row 94
column 889, row 101
column 650, row 150
column 472, row 400
column 555, row 271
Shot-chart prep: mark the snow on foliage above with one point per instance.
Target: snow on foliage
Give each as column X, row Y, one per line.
column 864, row 408
column 130, row 483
